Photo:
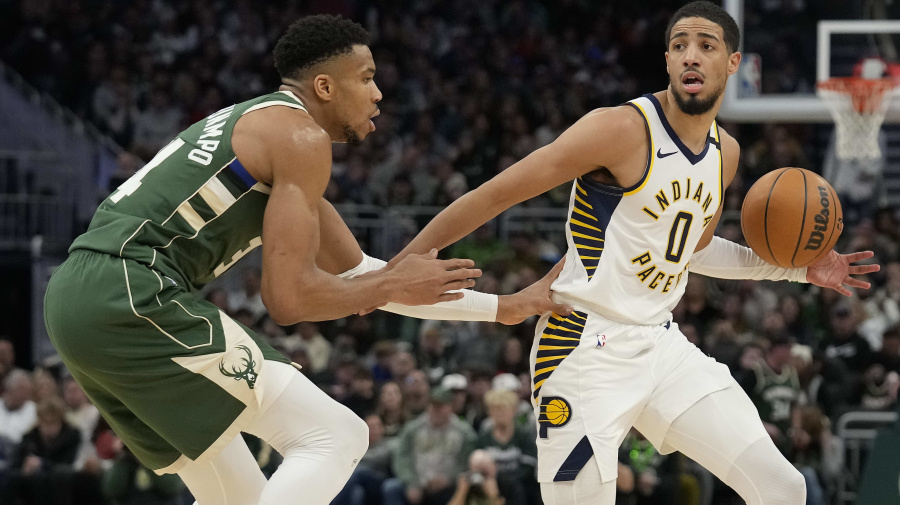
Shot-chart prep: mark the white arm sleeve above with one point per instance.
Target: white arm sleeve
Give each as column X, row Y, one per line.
column 724, row 259
column 473, row 306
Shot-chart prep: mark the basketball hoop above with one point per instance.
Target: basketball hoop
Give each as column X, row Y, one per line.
column 858, row 106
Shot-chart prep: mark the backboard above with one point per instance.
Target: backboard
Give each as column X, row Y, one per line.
column 838, row 44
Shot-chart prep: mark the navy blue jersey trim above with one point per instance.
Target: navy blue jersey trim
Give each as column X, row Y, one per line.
column 576, row 460
column 693, row 158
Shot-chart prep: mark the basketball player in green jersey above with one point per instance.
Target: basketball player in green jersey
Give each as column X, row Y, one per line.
column 177, row 379
column 635, row 232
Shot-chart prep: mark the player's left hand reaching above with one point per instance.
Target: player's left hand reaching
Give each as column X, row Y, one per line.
column 533, row 300
column 834, row 271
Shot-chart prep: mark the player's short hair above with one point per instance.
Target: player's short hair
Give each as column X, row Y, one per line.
column 313, row 40
column 712, row 12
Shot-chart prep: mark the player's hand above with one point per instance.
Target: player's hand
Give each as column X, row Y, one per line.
column 834, row 271
column 535, row 299
column 422, row 279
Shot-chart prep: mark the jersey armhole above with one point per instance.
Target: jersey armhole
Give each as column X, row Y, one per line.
column 649, row 168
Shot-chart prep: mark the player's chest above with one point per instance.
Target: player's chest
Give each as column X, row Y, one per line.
column 694, row 191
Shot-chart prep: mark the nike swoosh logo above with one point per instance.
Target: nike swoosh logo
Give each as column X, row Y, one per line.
column 660, row 155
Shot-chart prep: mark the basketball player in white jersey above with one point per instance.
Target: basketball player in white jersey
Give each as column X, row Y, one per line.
column 649, row 179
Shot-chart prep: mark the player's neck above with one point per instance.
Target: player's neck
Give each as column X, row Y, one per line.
column 692, row 130
column 313, row 107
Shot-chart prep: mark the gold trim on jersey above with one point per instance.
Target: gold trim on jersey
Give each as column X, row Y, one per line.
column 721, row 164
column 556, row 343
column 649, row 152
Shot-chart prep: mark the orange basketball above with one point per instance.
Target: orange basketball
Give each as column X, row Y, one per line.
column 791, row 217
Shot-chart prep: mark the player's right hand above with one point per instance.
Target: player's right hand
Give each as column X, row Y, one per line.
column 533, row 300
column 422, row 279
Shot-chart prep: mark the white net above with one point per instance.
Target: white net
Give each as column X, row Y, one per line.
column 858, row 107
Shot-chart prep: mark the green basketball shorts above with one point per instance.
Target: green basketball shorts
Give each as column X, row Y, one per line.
column 173, row 375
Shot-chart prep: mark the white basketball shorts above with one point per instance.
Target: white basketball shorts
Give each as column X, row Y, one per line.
column 593, row 379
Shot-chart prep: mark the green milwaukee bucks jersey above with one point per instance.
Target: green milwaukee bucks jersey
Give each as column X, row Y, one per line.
column 775, row 393
column 193, row 210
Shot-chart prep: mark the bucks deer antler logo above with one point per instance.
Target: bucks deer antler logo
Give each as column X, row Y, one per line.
column 248, row 373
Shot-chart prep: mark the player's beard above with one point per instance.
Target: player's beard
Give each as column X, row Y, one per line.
column 350, row 134
column 691, row 105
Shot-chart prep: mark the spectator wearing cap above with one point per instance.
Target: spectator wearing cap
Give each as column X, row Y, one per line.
column 774, row 387
column 512, row 447
column 432, row 452
column 844, row 342
column 458, row 386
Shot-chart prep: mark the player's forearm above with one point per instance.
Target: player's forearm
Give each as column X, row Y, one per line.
column 724, row 259
column 473, row 306
column 320, row 296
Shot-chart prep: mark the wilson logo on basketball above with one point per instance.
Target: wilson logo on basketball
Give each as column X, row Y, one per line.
column 818, row 234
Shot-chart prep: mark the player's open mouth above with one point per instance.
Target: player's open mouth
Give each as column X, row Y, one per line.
column 372, row 123
column 692, row 82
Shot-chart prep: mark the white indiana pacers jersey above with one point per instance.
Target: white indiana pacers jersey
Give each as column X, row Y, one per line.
column 629, row 247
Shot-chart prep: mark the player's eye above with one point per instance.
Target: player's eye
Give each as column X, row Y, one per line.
column 707, row 46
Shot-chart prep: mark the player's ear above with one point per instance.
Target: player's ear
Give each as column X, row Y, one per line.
column 734, row 62
column 667, row 62
column 323, row 87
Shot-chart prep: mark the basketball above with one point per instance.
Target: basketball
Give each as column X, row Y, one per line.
column 557, row 412
column 791, row 217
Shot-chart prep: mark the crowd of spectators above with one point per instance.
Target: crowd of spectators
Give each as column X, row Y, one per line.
column 470, row 86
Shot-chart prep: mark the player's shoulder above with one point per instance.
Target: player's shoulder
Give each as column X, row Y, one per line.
column 271, row 138
column 619, row 126
column 283, row 124
column 620, row 117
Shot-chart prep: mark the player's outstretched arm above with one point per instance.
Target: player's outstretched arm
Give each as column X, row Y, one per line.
column 293, row 155
column 477, row 306
column 717, row 257
column 600, row 138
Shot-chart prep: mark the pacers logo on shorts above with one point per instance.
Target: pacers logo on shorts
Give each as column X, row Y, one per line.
column 555, row 413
